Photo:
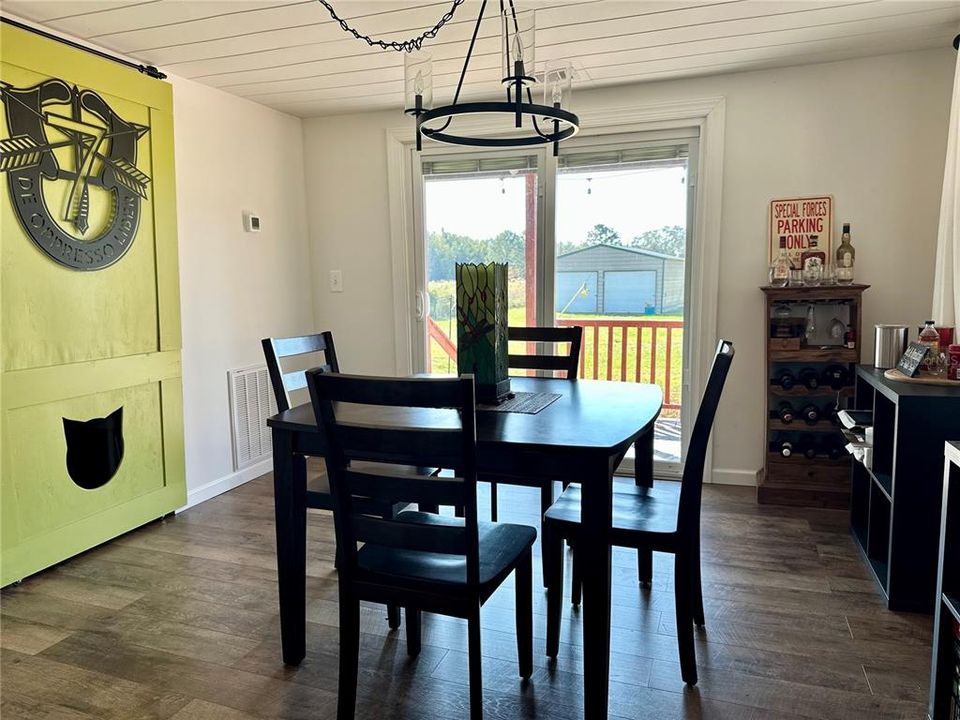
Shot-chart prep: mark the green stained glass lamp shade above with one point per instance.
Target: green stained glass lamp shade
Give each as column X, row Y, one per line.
column 482, row 328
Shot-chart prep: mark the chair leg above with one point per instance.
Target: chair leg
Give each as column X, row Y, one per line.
column 349, row 656
column 576, row 581
column 698, row 617
column 645, row 566
column 476, row 670
column 493, row 502
column 393, row 617
column 552, row 550
column 546, row 498
column 523, row 576
column 413, row 632
column 683, row 597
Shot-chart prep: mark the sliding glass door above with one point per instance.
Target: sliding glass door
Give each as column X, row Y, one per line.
column 474, row 208
column 597, row 237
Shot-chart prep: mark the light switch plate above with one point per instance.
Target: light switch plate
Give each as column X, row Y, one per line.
column 336, row 281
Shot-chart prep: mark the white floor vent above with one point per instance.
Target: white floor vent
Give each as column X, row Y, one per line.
column 251, row 403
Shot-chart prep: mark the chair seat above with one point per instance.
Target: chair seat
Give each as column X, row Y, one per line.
column 635, row 509
column 501, row 546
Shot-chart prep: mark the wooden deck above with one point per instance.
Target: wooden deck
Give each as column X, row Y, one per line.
column 179, row 620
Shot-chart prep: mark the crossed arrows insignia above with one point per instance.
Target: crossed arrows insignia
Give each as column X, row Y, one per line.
column 87, row 140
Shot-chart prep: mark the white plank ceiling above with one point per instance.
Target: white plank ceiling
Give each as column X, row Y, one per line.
column 290, row 55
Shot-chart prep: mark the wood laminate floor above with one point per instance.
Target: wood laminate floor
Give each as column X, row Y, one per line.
column 179, row 620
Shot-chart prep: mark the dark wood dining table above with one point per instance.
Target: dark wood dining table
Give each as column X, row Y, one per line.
column 581, row 437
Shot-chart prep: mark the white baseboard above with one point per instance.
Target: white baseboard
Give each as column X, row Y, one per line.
column 227, row 482
column 729, row 476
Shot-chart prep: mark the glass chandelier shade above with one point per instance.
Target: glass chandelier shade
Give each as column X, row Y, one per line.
column 517, row 46
column 558, row 83
column 417, row 82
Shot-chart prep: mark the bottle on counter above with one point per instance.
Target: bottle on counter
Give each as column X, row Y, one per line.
column 785, row 379
column 845, row 257
column 810, row 378
column 780, row 267
column 931, row 338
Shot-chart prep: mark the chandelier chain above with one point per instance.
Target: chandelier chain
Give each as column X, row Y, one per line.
column 398, row 45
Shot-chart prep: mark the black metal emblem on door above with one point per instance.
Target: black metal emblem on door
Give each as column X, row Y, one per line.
column 61, row 135
column 94, row 449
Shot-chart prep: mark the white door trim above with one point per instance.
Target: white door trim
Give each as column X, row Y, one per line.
column 707, row 113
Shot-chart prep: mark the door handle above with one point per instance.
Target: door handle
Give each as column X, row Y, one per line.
column 419, row 312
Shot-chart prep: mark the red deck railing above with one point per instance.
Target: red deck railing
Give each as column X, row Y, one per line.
column 641, row 344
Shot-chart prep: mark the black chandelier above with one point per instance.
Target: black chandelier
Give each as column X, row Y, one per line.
column 547, row 123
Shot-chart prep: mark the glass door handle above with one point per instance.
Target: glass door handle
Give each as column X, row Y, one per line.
column 422, row 311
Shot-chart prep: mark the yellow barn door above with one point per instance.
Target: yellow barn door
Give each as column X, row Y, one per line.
column 90, row 388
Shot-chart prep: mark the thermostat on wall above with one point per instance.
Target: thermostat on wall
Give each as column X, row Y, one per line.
column 251, row 222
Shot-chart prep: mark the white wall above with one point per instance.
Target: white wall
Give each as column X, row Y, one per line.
column 871, row 132
column 235, row 287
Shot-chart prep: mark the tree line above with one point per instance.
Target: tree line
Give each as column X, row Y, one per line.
column 446, row 249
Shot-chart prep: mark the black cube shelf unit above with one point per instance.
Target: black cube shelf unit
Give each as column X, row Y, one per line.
column 895, row 505
column 946, row 645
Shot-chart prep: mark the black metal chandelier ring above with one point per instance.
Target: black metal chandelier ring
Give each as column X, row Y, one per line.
column 553, row 115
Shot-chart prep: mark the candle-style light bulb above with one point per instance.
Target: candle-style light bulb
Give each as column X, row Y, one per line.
column 418, row 83
column 557, row 94
column 517, row 48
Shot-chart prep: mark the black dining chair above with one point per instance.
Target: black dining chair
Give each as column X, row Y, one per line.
column 566, row 363
column 439, row 564
column 665, row 518
column 316, row 351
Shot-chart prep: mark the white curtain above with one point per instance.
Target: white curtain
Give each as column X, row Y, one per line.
column 946, row 284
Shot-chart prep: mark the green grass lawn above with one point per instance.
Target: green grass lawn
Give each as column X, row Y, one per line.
column 443, row 363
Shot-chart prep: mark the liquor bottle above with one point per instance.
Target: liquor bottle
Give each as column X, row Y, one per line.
column 785, row 379
column 931, row 338
column 780, row 267
column 810, row 378
column 785, row 448
column 850, row 337
column 810, row 414
column 812, row 261
column 836, row 376
column 785, row 413
column 845, row 257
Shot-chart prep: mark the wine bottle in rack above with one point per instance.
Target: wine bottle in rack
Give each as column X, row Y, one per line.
column 836, row 376
column 810, row 378
column 810, row 414
column 785, row 379
column 808, row 448
column 785, row 448
column 785, row 412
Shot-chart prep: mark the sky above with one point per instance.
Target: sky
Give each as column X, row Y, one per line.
column 630, row 201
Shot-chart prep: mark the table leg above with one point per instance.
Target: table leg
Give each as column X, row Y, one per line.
column 643, row 477
column 290, row 503
column 593, row 544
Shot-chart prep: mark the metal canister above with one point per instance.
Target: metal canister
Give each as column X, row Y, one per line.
column 891, row 344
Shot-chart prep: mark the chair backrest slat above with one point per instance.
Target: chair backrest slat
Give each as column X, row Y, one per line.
column 418, row 447
column 277, row 349
column 568, row 363
column 427, row 422
column 386, row 488
column 688, row 522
